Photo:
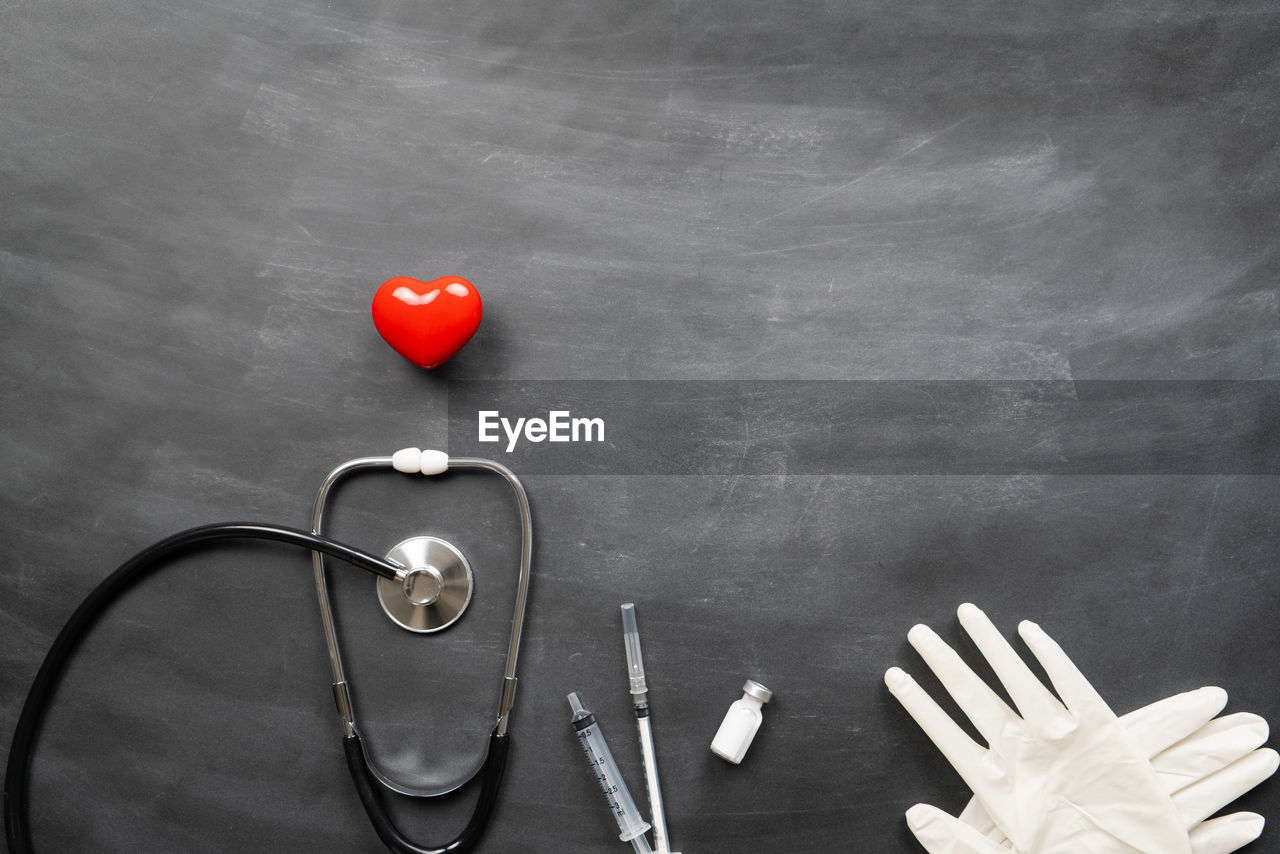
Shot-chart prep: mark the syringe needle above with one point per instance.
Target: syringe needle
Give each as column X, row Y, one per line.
column 640, row 699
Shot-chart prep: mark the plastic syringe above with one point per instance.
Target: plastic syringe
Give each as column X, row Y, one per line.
column 631, row 825
column 640, row 699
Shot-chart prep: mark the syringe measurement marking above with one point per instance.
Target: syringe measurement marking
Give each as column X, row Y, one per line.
column 609, row 788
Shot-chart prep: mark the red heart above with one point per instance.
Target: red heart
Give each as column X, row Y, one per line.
column 427, row 322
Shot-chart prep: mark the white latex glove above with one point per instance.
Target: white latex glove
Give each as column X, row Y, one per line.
column 1203, row 762
column 1062, row 778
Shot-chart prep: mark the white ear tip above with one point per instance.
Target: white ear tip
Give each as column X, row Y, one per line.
column 433, row 462
column 407, row 460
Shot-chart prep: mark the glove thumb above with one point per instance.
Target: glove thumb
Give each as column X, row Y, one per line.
column 941, row 833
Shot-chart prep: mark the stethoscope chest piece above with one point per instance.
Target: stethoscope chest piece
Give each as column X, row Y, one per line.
column 433, row 590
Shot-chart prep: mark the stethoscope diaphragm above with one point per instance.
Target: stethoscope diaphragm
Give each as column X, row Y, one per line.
column 433, row 591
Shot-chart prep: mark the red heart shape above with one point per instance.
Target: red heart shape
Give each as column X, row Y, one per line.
column 427, row 322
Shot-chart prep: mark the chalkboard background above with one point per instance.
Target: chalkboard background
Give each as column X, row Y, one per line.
column 919, row 205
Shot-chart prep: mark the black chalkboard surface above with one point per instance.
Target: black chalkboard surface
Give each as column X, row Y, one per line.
column 884, row 307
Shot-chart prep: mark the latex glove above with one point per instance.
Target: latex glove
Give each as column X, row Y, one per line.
column 1061, row 777
column 1203, row 762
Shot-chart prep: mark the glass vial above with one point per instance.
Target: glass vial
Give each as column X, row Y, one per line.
column 741, row 723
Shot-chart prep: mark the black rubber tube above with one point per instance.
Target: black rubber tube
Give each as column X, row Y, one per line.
column 490, row 776
column 17, row 829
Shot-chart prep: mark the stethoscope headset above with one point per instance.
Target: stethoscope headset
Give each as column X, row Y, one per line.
column 424, row 585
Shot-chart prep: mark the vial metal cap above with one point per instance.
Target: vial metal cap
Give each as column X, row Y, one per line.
column 757, row 691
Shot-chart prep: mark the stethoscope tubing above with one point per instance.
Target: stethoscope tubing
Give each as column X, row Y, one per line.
column 18, row 770
column 364, row 772
column 490, row 776
column 341, row 689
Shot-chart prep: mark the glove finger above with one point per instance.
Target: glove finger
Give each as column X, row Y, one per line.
column 1226, row 834
column 1079, row 696
column 975, row 698
column 976, row 816
column 1210, row 749
column 1200, row 800
column 940, row 833
column 1180, row 718
column 1168, row 721
column 1030, row 696
column 961, row 751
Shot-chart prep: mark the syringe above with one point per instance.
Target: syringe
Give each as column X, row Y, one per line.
column 640, row 699
column 606, row 772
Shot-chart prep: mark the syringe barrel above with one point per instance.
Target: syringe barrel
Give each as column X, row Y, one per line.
column 606, row 772
column 657, row 813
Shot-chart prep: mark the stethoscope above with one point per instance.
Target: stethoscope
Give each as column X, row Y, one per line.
column 424, row 585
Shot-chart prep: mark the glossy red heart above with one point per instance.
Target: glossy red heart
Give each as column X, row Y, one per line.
column 427, row 322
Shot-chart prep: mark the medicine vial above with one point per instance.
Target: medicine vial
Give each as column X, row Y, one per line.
column 741, row 723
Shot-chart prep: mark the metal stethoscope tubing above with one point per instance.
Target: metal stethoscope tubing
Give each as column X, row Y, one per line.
column 364, row 771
